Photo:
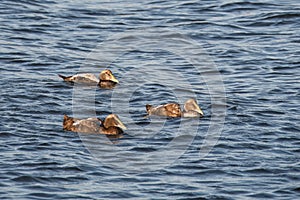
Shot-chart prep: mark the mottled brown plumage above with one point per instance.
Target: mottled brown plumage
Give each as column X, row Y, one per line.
column 170, row 110
column 112, row 125
column 191, row 109
column 106, row 79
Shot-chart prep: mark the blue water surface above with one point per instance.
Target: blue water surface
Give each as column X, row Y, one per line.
column 255, row 47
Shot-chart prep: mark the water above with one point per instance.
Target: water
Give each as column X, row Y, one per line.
column 255, row 47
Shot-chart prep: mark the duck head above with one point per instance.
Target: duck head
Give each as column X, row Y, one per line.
column 113, row 120
column 106, row 75
column 191, row 109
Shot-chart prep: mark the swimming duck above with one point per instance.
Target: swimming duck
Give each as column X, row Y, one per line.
column 106, row 79
column 111, row 125
column 191, row 109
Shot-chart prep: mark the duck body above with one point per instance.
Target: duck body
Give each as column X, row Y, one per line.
column 191, row 109
column 85, row 78
column 106, row 79
column 111, row 125
column 169, row 110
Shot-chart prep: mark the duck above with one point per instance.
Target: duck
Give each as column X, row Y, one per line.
column 106, row 79
column 190, row 109
column 111, row 125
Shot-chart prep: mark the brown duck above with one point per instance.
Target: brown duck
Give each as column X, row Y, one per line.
column 191, row 109
column 111, row 125
column 106, row 79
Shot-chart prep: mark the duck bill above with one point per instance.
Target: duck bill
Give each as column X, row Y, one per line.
column 198, row 110
column 113, row 78
column 120, row 124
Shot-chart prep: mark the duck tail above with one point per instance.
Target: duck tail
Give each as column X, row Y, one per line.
column 148, row 108
column 66, row 117
column 66, row 78
column 67, row 122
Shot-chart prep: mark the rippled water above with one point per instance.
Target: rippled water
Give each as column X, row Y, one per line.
column 254, row 46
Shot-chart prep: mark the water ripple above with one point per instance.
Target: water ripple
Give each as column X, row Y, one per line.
column 255, row 46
